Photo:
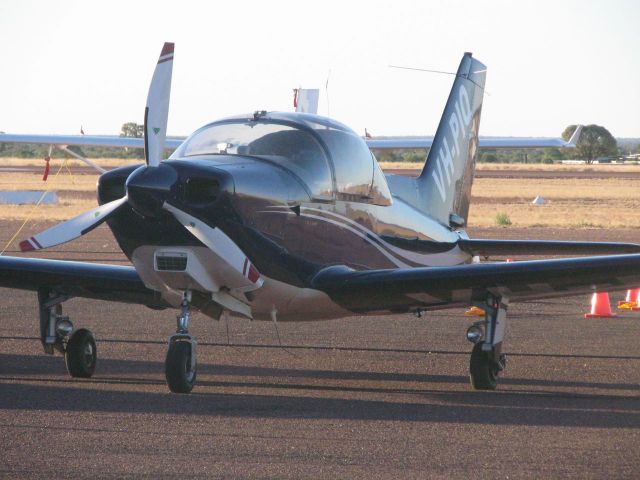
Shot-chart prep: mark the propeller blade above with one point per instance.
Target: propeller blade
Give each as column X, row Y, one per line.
column 157, row 110
column 217, row 241
column 72, row 229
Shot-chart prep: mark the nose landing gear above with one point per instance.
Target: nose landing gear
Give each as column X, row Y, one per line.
column 180, row 364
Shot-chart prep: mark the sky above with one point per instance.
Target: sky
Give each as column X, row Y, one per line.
column 68, row 63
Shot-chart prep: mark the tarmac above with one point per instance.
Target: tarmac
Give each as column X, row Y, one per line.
column 361, row 397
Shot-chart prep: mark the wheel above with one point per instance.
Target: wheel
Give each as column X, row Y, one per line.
column 180, row 374
column 81, row 354
column 483, row 371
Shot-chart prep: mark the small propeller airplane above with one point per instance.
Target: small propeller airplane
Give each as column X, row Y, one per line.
column 287, row 216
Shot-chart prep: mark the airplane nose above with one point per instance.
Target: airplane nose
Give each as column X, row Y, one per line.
column 149, row 187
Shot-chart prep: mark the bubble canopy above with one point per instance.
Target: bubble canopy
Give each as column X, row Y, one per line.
column 327, row 156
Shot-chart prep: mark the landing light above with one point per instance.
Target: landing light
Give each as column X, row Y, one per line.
column 475, row 333
column 64, row 327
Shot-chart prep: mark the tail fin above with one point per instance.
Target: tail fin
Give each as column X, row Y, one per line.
column 444, row 185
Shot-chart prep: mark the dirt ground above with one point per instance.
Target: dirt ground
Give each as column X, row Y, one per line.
column 362, row 397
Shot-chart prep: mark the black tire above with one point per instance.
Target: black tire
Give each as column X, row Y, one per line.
column 483, row 372
column 177, row 368
column 81, row 354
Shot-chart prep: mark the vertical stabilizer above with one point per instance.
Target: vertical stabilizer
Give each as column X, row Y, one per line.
column 444, row 186
column 306, row 100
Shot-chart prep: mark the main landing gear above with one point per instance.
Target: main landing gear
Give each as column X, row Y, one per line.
column 56, row 334
column 487, row 359
column 180, row 364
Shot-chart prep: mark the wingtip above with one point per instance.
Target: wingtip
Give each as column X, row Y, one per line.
column 25, row 246
column 167, row 48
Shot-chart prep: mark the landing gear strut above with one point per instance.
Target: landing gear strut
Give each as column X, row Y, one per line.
column 180, row 364
column 487, row 359
column 79, row 348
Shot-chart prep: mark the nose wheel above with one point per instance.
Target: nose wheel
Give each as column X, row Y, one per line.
column 180, row 365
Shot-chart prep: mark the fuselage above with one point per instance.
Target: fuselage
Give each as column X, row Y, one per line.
column 288, row 223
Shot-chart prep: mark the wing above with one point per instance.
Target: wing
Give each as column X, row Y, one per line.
column 483, row 142
column 487, row 248
column 84, row 140
column 78, row 279
column 431, row 288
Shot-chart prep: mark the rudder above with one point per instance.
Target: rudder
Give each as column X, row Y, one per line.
column 444, row 186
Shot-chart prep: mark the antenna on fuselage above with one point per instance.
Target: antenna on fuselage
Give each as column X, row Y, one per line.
column 274, row 319
column 326, row 91
column 415, row 69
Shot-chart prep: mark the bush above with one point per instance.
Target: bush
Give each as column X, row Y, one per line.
column 488, row 158
column 503, row 219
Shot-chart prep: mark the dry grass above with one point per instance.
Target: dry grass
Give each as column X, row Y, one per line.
column 77, row 193
column 525, row 166
column 558, row 167
column 66, row 209
column 591, row 190
column 575, row 203
column 106, row 163
column 400, row 165
column 33, row 181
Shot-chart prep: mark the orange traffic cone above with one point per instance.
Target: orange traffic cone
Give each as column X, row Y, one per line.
column 631, row 301
column 600, row 306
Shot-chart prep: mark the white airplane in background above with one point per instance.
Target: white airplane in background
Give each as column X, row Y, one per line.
column 287, row 216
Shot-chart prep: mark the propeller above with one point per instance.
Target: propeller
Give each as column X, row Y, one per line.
column 156, row 111
column 149, row 189
column 71, row 229
column 155, row 132
column 220, row 244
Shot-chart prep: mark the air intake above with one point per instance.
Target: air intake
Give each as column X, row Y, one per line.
column 171, row 261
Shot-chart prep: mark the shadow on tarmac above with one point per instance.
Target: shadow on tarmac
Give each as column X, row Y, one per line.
column 418, row 405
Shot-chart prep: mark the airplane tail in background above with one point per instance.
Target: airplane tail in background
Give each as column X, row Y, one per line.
column 444, row 186
column 305, row 100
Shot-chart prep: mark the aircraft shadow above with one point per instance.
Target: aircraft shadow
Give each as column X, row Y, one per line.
column 15, row 365
column 523, row 410
column 430, row 405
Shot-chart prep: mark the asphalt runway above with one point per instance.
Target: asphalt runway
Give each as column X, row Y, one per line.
column 363, row 397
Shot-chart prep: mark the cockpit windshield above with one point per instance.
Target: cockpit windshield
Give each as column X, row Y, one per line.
column 328, row 157
column 293, row 148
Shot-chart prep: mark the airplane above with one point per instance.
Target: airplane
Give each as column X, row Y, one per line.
column 286, row 216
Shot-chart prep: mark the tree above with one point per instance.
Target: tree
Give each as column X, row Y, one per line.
column 488, row 157
column 551, row 155
column 132, row 129
column 595, row 141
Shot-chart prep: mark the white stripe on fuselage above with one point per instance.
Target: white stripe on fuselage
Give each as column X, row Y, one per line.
column 452, row 257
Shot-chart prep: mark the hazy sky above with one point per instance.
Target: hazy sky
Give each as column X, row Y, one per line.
column 68, row 63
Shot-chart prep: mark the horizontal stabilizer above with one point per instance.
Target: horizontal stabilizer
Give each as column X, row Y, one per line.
column 487, row 248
